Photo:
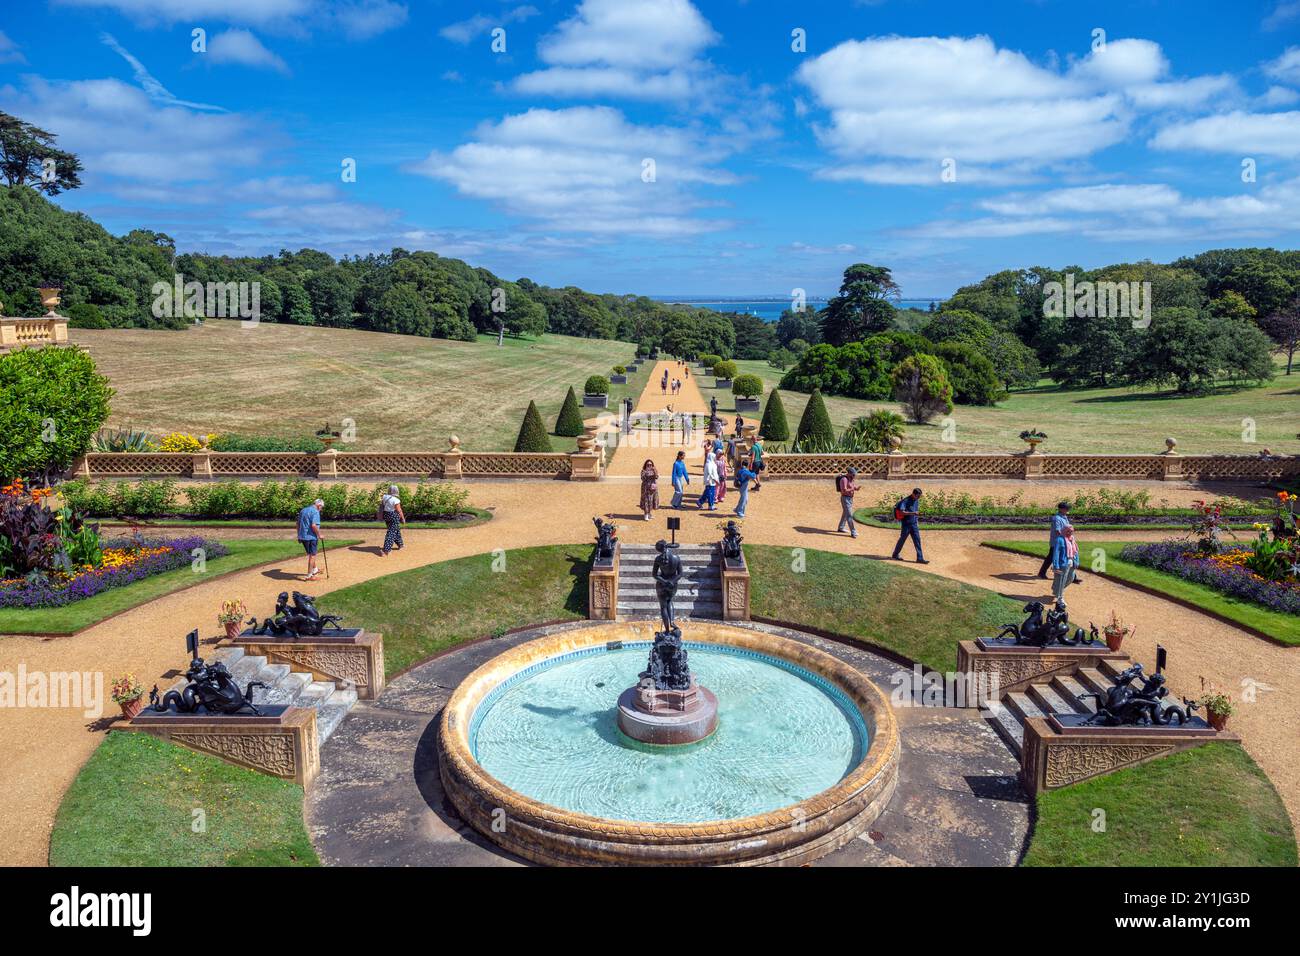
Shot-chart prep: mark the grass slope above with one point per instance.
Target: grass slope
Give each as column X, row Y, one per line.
column 428, row 609
column 82, row 614
column 133, row 804
column 1106, row 420
column 920, row 616
column 404, row 392
column 1211, row 806
column 1284, row 628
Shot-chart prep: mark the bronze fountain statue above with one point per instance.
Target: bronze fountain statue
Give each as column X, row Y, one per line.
column 211, row 689
column 300, row 620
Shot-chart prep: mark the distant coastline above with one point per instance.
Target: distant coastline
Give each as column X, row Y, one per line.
column 769, row 308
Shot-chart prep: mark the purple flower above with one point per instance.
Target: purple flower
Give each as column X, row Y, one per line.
column 1173, row 557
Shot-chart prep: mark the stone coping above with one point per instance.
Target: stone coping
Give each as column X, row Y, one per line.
column 796, row 833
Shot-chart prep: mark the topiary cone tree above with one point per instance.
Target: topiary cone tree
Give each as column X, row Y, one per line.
column 532, row 433
column 815, row 425
column 569, row 424
column 774, row 426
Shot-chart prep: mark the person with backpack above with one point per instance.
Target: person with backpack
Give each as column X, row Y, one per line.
column 908, row 511
column 390, row 513
column 847, row 487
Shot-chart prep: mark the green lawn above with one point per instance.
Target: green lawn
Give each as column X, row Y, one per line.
column 82, row 614
column 134, row 803
column 1210, row 806
column 920, row 616
column 426, row 610
column 1284, row 628
column 336, row 524
column 1108, row 420
column 404, row 392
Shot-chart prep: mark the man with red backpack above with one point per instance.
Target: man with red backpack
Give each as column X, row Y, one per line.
column 847, row 487
column 908, row 511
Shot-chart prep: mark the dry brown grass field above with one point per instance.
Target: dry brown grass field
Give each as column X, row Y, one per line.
column 403, row 392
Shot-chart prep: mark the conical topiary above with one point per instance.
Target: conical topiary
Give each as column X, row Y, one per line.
column 532, row 433
column 774, row 427
column 569, row 424
column 815, row 425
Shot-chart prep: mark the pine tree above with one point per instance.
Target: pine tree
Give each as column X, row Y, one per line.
column 815, row 425
column 774, row 427
column 569, row 424
column 532, row 433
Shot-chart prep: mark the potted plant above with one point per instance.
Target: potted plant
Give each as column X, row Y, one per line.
column 128, row 693
column 595, row 393
column 231, row 616
column 1033, row 437
column 620, row 375
column 723, row 372
column 1218, row 707
column 1115, row 631
column 747, row 389
column 328, row 436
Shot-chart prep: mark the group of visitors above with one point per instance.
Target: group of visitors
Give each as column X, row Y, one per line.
column 1062, row 554
column 721, row 464
column 389, row 512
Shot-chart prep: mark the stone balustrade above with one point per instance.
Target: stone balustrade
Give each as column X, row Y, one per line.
column 16, row 333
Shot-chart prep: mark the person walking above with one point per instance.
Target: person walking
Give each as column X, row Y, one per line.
column 743, row 477
column 1060, row 521
column 1065, row 558
column 908, row 511
column 722, row 475
column 390, row 512
column 847, row 488
column 649, row 488
column 710, row 496
column 309, row 534
column 681, row 478
column 756, row 461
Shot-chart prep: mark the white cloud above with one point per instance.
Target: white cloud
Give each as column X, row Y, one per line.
column 369, row 18
column 155, row 90
column 1270, row 134
column 580, row 170
column 357, row 19
column 1279, row 96
column 463, row 31
column 9, row 52
column 1286, row 68
column 244, row 49
column 1282, row 14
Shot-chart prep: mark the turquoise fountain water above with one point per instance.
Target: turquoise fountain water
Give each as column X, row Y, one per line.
column 784, row 734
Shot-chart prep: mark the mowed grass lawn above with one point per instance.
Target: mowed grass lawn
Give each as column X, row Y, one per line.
column 1276, row 624
column 1210, row 806
column 1102, row 421
column 134, row 803
column 404, row 392
column 82, row 614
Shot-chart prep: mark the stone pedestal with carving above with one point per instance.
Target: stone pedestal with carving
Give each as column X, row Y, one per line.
column 735, row 590
column 1056, row 756
column 1033, row 463
column 602, row 588
column 667, row 717
column 1013, row 668
column 347, row 657
column 281, row 744
column 327, row 464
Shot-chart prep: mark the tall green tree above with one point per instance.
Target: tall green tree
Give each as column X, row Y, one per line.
column 815, row 422
column 29, row 157
column 61, row 400
column 569, row 423
column 863, row 307
column 774, row 426
column 532, row 433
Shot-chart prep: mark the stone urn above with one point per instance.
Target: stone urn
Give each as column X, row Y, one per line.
column 453, row 443
column 1170, row 445
column 586, row 443
column 50, row 297
column 895, row 444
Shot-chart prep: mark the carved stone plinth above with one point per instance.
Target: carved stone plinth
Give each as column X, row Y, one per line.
column 1000, row 670
column 667, row 717
column 282, row 743
column 345, row 657
column 1055, row 756
column 602, row 588
column 735, row 590
column 585, row 466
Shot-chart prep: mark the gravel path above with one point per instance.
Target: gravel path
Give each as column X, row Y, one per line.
column 41, row 749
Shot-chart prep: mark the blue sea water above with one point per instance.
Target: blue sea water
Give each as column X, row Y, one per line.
column 770, row 309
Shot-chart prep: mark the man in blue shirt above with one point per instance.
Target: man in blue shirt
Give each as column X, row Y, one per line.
column 909, row 510
column 681, row 478
column 743, row 477
column 1059, row 522
column 309, row 533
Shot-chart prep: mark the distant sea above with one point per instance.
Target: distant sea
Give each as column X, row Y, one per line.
column 770, row 309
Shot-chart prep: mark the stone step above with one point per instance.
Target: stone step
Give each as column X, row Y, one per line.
column 285, row 692
column 1022, row 705
column 684, row 590
column 272, row 674
column 1111, row 668
column 1049, row 701
column 647, row 564
column 1092, row 681
column 230, row 656
column 1072, row 690
column 247, row 668
column 1007, row 723
column 315, row 694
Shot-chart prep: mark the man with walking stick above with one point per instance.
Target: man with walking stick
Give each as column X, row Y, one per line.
column 309, row 535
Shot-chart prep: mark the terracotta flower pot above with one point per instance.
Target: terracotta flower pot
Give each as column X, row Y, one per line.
column 1217, row 721
column 1115, row 638
column 130, row 708
column 233, row 628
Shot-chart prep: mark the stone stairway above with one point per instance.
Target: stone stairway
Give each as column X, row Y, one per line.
column 699, row 595
column 289, row 687
column 1059, row 694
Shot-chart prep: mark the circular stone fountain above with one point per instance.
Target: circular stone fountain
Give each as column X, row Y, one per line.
column 799, row 756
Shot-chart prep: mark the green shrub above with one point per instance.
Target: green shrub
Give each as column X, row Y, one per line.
column 85, row 315
column 309, row 444
column 144, row 499
column 532, row 433
column 774, row 426
column 871, row 433
column 974, row 379
column 274, row 500
column 620, row 369
column 815, row 423
column 121, row 439
column 724, row 369
column 710, row 360
column 747, row 386
column 569, row 424
column 921, row 384
column 596, row 385
column 64, row 402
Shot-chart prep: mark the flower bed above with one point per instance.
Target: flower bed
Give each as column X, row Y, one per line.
column 125, row 561
column 1223, row 570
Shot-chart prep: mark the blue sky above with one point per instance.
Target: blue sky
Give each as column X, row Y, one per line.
column 945, row 140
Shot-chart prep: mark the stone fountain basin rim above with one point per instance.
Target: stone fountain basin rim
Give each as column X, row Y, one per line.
column 873, row 706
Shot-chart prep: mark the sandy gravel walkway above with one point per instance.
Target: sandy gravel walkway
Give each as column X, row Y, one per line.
column 41, row 749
